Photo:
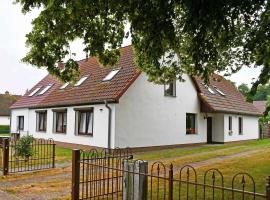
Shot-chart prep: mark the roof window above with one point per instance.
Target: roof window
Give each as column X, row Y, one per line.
column 81, row 81
column 64, row 86
column 208, row 88
column 219, row 91
column 111, row 75
column 34, row 91
column 45, row 89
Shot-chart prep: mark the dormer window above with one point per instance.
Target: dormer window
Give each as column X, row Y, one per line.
column 81, row 81
column 64, row 86
column 170, row 89
column 219, row 91
column 111, row 75
column 34, row 91
column 45, row 89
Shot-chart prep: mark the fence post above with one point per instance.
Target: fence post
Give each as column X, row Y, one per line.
column 5, row 156
column 53, row 158
column 75, row 193
column 268, row 188
column 171, row 182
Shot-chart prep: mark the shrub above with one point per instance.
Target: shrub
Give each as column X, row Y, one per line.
column 23, row 147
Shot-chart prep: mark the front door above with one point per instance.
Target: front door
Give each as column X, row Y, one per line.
column 209, row 129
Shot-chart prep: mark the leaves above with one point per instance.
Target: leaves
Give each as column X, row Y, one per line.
column 23, row 147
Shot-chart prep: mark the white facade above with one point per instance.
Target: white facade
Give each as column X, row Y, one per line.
column 144, row 117
column 4, row 120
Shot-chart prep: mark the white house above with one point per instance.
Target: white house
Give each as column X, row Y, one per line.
column 118, row 107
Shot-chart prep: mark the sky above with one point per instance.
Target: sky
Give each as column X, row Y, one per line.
column 16, row 77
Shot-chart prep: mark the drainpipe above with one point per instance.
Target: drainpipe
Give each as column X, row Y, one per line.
column 109, row 123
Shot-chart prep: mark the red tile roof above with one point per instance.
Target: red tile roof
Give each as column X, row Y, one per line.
column 93, row 90
column 260, row 105
column 232, row 102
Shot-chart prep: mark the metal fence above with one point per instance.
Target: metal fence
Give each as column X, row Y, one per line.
column 43, row 156
column 101, row 175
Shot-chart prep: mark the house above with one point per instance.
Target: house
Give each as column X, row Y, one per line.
column 265, row 127
column 6, row 100
column 118, row 107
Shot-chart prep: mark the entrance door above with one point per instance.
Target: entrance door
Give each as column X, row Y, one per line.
column 209, row 129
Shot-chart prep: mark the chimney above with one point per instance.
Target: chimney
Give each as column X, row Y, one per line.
column 61, row 65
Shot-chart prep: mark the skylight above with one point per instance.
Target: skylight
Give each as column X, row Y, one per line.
column 208, row 88
column 81, row 81
column 219, row 91
column 64, row 86
column 34, row 92
column 111, row 75
column 45, row 89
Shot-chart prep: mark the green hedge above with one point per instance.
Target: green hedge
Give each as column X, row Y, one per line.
column 4, row 129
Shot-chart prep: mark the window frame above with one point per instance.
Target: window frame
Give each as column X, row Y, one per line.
column 173, row 83
column 56, row 113
column 20, row 118
column 240, row 125
column 79, row 112
column 193, row 130
column 230, row 124
column 38, row 123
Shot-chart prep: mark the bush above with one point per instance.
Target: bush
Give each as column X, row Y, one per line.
column 23, row 147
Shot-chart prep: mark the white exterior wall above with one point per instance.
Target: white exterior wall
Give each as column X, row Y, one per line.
column 100, row 126
column 250, row 128
column 145, row 117
column 4, row 120
column 14, row 117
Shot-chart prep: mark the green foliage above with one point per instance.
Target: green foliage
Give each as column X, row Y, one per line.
column 244, row 89
column 169, row 37
column 23, row 147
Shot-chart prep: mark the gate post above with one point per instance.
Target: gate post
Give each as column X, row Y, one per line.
column 75, row 190
column 171, row 182
column 268, row 188
column 5, row 156
column 53, row 158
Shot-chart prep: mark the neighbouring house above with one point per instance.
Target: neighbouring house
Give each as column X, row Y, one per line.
column 118, row 107
column 264, row 127
column 6, row 100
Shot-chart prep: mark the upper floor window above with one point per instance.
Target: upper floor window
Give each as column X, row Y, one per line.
column 81, row 81
column 45, row 89
column 240, row 125
column 60, row 121
column 170, row 89
column 41, row 123
column 20, row 123
column 230, row 125
column 84, row 124
column 111, row 75
column 190, row 123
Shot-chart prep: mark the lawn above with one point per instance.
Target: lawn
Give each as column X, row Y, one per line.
column 251, row 156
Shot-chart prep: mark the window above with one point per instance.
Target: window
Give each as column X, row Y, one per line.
column 81, row 81
column 230, row 125
column 20, row 123
column 60, row 121
column 45, row 89
column 170, row 89
column 84, row 121
column 240, row 125
column 41, row 121
column 64, row 86
column 111, row 75
column 219, row 91
column 34, row 91
column 190, row 123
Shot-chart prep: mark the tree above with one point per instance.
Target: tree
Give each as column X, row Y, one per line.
column 244, row 89
column 262, row 93
column 169, row 37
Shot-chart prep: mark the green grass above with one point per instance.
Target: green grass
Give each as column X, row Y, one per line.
column 63, row 154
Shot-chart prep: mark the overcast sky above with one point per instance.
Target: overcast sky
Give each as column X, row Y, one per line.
column 16, row 77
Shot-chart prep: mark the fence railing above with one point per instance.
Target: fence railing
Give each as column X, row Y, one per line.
column 43, row 156
column 99, row 175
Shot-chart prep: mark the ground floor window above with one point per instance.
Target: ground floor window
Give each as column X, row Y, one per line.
column 190, row 123
column 60, row 121
column 230, row 125
column 85, row 121
column 20, row 123
column 41, row 121
column 240, row 126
